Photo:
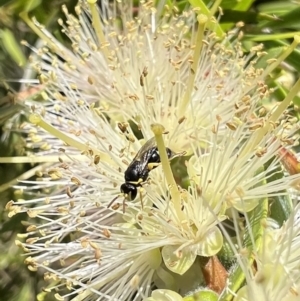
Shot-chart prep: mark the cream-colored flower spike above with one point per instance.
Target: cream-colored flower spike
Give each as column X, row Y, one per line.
column 233, row 168
column 149, row 69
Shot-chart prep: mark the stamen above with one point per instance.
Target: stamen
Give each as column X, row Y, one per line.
column 158, row 130
column 98, row 27
column 202, row 19
column 259, row 134
column 34, row 27
column 38, row 120
column 282, row 57
column 286, row 102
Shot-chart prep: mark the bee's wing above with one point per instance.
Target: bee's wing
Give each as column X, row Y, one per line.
column 141, row 159
column 144, row 149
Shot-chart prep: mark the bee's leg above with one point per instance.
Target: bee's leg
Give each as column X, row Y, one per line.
column 140, row 180
column 152, row 165
column 141, row 197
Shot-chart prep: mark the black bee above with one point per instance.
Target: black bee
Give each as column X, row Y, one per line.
column 138, row 170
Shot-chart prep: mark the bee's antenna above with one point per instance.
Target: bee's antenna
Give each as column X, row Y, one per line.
column 109, row 205
column 124, row 201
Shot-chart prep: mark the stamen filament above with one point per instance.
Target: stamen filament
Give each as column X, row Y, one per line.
column 286, row 102
column 258, row 136
column 38, row 120
column 36, row 30
column 98, row 27
column 282, row 57
column 158, row 130
column 202, row 19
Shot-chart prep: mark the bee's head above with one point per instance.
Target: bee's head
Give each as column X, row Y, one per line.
column 130, row 190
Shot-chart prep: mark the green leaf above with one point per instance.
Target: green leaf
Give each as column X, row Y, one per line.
column 226, row 254
column 272, row 53
column 237, row 4
column 239, row 7
column 31, row 5
column 12, row 47
column 233, row 16
column 277, row 7
column 289, row 20
column 296, row 101
column 281, row 207
column 272, row 37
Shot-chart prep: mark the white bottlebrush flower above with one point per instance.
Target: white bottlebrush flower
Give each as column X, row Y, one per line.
column 152, row 68
column 145, row 70
column 277, row 273
column 234, row 172
column 115, row 254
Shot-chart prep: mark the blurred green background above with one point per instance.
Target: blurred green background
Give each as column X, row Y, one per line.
column 272, row 23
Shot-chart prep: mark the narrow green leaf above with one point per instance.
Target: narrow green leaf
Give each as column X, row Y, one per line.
column 272, row 37
column 31, row 5
column 277, row 7
column 234, row 16
column 227, row 255
column 271, row 54
column 288, row 20
column 280, row 92
column 296, row 101
column 281, row 207
column 9, row 111
column 237, row 6
column 12, row 47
